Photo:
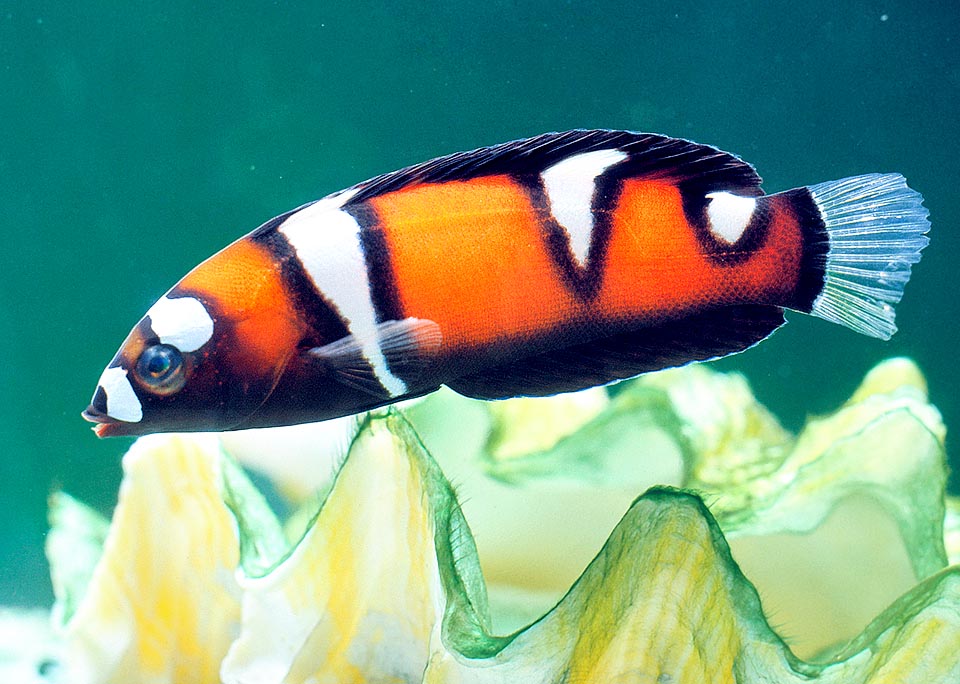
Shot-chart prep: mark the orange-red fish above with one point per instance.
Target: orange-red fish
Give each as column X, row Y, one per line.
column 533, row 267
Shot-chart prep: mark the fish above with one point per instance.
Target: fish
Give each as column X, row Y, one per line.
column 529, row 268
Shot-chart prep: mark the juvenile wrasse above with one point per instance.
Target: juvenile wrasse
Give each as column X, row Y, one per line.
column 533, row 267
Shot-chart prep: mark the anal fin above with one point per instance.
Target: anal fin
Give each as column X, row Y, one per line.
column 708, row 335
column 386, row 362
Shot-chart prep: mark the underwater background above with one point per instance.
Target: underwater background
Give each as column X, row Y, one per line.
column 138, row 138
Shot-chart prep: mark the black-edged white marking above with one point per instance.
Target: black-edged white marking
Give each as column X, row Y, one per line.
column 122, row 401
column 327, row 242
column 569, row 186
column 181, row 322
column 729, row 215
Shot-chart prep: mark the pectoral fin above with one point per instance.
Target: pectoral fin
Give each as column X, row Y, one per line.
column 386, row 363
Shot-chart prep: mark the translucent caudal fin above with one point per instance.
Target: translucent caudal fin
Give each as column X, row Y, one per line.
column 876, row 227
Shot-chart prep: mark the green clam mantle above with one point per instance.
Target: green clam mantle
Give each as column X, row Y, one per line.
column 195, row 581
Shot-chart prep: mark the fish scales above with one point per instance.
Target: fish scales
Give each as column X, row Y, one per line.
column 542, row 265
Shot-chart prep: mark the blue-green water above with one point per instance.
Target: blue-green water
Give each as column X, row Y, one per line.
column 138, row 138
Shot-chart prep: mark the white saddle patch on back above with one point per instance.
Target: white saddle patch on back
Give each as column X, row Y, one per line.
column 569, row 185
column 729, row 215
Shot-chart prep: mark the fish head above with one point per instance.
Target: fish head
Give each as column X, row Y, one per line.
column 206, row 355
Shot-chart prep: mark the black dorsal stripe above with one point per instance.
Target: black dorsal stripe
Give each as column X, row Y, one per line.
column 376, row 252
column 319, row 315
column 697, row 168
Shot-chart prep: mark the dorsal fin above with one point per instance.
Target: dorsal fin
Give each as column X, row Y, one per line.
column 652, row 155
column 707, row 335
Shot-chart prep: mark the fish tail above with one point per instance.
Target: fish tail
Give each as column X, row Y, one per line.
column 861, row 240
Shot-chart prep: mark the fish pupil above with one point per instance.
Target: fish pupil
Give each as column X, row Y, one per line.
column 160, row 369
column 158, row 365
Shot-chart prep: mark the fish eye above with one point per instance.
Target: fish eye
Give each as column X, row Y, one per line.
column 160, row 369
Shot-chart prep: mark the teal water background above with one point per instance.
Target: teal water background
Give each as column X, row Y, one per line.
column 138, row 138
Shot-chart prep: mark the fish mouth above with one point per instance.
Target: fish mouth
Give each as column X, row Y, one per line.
column 95, row 415
column 105, row 425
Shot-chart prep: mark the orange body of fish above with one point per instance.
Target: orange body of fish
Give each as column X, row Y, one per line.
column 534, row 267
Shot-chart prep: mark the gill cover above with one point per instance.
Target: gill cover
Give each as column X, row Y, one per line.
column 205, row 356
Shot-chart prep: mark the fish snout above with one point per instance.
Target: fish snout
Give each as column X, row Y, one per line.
column 96, row 412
